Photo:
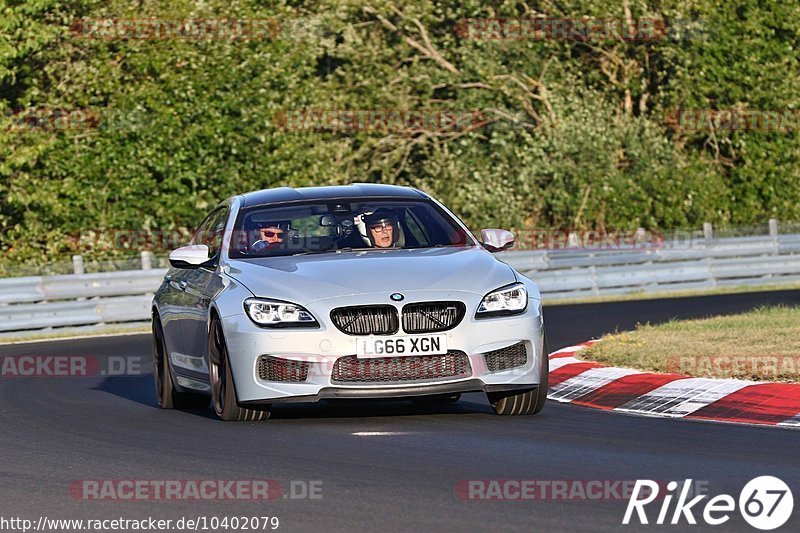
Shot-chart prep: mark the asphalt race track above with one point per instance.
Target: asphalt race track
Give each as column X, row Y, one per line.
column 383, row 466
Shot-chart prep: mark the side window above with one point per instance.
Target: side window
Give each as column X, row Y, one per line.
column 202, row 230
column 217, row 232
column 211, row 231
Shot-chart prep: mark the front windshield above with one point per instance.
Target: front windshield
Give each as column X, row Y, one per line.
column 321, row 226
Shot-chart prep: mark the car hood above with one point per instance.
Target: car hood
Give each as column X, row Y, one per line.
column 305, row 278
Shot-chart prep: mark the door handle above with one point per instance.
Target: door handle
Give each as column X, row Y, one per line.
column 182, row 285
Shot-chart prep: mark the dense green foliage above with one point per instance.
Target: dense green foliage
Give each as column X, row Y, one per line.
column 577, row 134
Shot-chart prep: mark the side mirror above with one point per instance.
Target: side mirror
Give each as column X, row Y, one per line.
column 191, row 256
column 496, row 240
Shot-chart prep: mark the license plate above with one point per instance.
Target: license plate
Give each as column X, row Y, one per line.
column 400, row 346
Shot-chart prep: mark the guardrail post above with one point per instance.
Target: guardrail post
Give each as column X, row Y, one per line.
column 77, row 264
column 147, row 260
column 708, row 231
column 773, row 227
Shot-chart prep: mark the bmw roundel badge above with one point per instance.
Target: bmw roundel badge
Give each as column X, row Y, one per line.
column 396, row 297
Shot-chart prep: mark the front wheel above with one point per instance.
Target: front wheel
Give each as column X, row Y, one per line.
column 223, row 389
column 527, row 402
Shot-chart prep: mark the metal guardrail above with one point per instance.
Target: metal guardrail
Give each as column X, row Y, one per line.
column 672, row 266
column 80, row 300
column 40, row 302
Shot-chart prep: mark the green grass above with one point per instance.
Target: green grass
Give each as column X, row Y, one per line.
column 763, row 344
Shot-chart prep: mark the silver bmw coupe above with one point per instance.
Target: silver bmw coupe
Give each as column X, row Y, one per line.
column 356, row 291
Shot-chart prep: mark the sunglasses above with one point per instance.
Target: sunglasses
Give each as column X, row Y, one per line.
column 273, row 233
column 381, row 228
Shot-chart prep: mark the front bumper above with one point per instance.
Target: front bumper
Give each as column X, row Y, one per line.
column 320, row 348
column 330, row 393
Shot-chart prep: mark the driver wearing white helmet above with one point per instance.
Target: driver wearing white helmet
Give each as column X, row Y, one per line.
column 382, row 228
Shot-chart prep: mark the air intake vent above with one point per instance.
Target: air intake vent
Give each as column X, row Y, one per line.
column 351, row 369
column 505, row 358
column 276, row 369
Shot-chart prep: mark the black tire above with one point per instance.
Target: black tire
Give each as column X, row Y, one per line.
column 166, row 394
column 436, row 399
column 526, row 402
column 223, row 389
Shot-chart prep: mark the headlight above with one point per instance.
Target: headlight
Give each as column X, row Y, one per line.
column 272, row 313
column 511, row 300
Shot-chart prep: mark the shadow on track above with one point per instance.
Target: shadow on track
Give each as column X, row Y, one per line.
column 374, row 408
column 139, row 389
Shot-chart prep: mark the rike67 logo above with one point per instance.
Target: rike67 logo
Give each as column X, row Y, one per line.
column 765, row 503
